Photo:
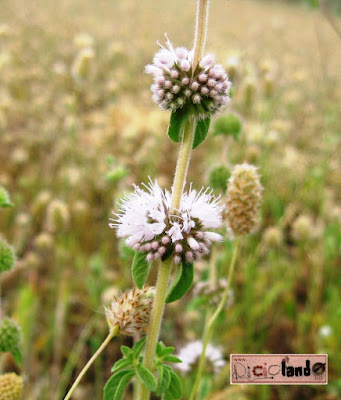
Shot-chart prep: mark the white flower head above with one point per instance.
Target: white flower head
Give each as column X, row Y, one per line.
column 147, row 222
column 204, row 88
column 191, row 353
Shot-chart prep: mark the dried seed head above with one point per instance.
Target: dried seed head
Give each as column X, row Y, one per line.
column 131, row 310
column 243, row 199
column 303, row 228
column 58, row 216
column 273, row 237
column 81, row 66
column 11, row 386
column 44, row 242
column 40, row 203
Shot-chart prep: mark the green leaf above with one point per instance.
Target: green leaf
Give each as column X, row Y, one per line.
column 4, row 198
column 162, row 350
column 182, row 283
column 164, row 380
column 201, row 131
column 112, row 384
column 177, row 124
column 146, row 377
column 138, row 346
column 140, row 269
column 171, row 358
column 127, row 352
column 174, row 391
column 122, row 363
column 122, row 386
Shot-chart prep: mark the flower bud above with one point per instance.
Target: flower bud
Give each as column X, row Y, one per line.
column 131, row 310
column 243, row 199
column 10, row 337
column 11, row 386
column 218, row 178
column 7, row 256
column 228, row 125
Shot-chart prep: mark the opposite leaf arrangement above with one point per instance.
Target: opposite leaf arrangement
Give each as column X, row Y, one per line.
column 176, row 228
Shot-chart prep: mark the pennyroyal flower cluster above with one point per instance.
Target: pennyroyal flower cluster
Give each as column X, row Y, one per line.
column 150, row 225
column 203, row 89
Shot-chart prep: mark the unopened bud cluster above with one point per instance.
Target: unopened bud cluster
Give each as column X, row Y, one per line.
column 7, row 256
column 131, row 311
column 203, row 88
column 10, row 335
column 243, row 199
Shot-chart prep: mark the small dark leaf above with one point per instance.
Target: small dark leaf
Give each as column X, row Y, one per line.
column 140, row 269
column 177, row 124
column 201, row 130
column 182, row 283
column 146, row 377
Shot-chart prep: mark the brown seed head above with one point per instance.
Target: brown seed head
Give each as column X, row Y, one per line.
column 131, row 310
column 11, row 386
column 243, row 199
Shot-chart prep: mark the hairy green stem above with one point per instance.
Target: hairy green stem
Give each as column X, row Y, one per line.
column 165, row 268
column 200, row 30
column 155, row 320
column 112, row 334
column 183, row 163
column 211, row 321
column 178, row 186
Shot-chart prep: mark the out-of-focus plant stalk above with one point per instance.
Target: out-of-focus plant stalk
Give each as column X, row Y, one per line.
column 112, row 334
column 211, row 321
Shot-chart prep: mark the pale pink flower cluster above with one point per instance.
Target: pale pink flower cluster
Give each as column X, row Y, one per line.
column 203, row 90
column 147, row 221
column 190, row 354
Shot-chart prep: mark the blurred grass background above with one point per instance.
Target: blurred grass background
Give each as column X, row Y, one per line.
column 77, row 127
